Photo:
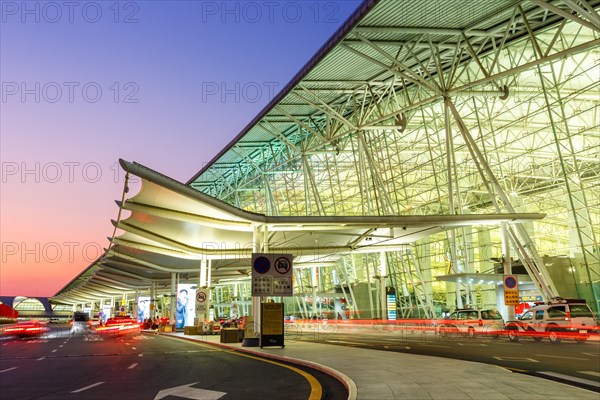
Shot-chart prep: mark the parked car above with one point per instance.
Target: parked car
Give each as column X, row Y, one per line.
column 471, row 323
column 557, row 319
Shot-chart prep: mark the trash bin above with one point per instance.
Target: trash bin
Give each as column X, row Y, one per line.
column 229, row 335
column 190, row 330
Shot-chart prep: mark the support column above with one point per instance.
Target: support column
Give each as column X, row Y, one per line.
column 203, row 274
column 314, row 281
column 449, row 160
column 152, row 300
column 506, row 262
column 136, row 304
column 173, row 298
column 256, row 299
column 382, row 276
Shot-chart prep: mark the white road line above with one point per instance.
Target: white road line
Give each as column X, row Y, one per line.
column 347, row 342
column 133, row 348
column 87, row 387
column 472, row 344
column 571, row 378
column 40, row 359
column 432, row 345
column 141, row 355
column 407, row 347
column 591, row 354
column 515, row 359
column 54, row 351
column 132, row 366
column 8, row 369
column 593, row 373
column 61, row 345
column 566, row 358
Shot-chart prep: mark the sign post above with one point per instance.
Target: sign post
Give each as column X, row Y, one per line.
column 272, row 275
column 202, row 305
column 511, row 290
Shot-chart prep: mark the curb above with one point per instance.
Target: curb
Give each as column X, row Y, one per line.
column 340, row 376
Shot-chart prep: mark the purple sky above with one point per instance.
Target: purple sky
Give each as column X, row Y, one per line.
column 164, row 83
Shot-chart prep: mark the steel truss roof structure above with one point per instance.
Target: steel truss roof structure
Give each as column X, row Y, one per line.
column 447, row 107
column 173, row 228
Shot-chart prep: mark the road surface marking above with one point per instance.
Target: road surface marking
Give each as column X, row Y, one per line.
column 8, row 369
column 566, row 358
column 511, row 369
column 570, row 378
column 316, row 391
column 347, row 342
column 61, row 345
column 41, row 358
column 141, row 355
column 87, row 387
column 591, row 354
column 54, row 351
column 593, row 373
column 188, row 392
column 133, row 348
column 515, row 359
column 432, row 345
column 407, row 347
column 132, row 366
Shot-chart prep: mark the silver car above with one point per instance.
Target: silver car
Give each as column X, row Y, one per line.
column 471, row 323
column 557, row 319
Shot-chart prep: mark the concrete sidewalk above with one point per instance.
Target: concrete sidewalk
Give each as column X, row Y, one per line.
column 379, row 375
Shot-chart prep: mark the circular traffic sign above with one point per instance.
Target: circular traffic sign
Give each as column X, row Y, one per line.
column 283, row 265
column 201, row 297
column 262, row 265
column 510, row 282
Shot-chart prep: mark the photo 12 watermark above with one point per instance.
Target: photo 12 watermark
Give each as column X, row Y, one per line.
column 62, row 172
column 69, row 92
column 238, row 92
column 54, row 12
column 50, row 252
column 253, row 12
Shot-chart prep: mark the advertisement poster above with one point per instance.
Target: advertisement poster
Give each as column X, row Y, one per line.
column 185, row 310
column 143, row 308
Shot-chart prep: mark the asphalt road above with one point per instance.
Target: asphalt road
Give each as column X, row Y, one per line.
column 574, row 363
column 149, row 367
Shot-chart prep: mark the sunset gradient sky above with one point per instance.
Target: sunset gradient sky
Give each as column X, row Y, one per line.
column 86, row 83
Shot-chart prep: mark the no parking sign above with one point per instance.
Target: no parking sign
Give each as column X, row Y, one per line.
column 272, row 274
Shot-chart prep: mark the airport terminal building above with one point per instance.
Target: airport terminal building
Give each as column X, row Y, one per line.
column 425, row 152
